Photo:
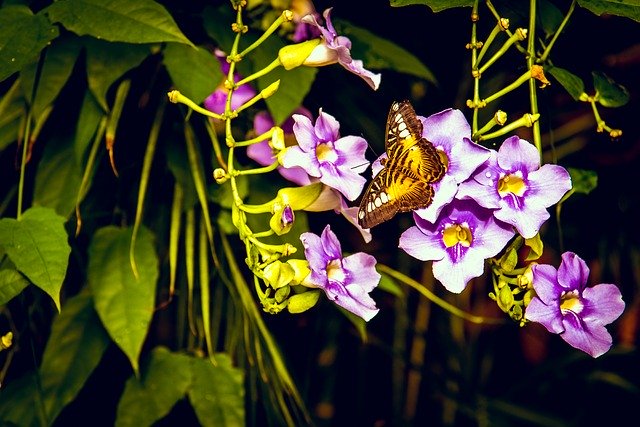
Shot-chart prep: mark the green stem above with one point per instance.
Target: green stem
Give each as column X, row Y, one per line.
column 531, row 55
column 265, row 136
column 485, row 46
column 516, row 84
column 266, row 70
column 563, row 24
column 474, row 56
column 176, row 97
column 285, row 16
column 23, row 161
column 480, row 320
column 519, row 35
column 257, row 171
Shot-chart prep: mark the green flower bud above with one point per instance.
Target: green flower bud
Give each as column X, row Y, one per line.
column 303, row 301
column 505, row 299
column 295, row 55
column 282, row 294
column 300, row 270
column 278, row 274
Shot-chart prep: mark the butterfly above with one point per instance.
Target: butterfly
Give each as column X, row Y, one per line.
column 412, row 165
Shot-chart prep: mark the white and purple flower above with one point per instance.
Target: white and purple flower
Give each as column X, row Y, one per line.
column 262, row 152
column 450, row 134
column 514, row 184
column 336, row 48
column 566, row 306
column 216, row 102
column 346, row 281
column 458, row 243
column 336, row 161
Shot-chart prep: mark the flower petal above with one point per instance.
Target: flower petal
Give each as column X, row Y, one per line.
column 547, row 185
column 331, row 244
column 424, row 247
column 545, row 283
column 346, row 181
column 547, row 315
column 602, row 304
column 593, row 339
column 518, row 154
column 314, row 251
column 361, row 268
column 573, row 272
column 327, row 128
column 454, row 276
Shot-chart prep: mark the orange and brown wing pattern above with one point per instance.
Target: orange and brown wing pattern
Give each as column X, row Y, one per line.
column 412, row 164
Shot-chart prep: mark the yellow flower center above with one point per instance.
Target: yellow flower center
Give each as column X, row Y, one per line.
column 326, row 153
column 513, row 184
column 457, row 234
column 335, row 273
column 570, row 302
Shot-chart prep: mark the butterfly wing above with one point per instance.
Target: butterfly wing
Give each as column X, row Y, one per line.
column 412, row 164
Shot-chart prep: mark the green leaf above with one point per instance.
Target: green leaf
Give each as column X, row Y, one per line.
column 357, row 321
column 58, row 177
column 17, row 400
column 435, row 5
column 627, row 8
column 37, row 245
column 164, row 381
column 303, row 301
column 123, row 301
column 569, row 81
column 195, row 72
column 217, row 392
column 107, row 62
column 22, row 36
column 130, row 21
column 609, row 93
column 58, row 64
column 75, row 347
column 583, row 180
column 379, row 53
column 11, row 284
column 294, row 84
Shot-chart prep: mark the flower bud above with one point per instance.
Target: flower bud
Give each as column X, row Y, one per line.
column 295, row 55
column 220, row 175
column 278, row 274
column 282, row 219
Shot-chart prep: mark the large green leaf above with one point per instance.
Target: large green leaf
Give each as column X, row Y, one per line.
column 75, row 347
column 56, row 69
column 11, row 284
column 17, row 400
column 164, row 381
column 628, row 8
column 37, row 245
column 294, row 84
column 22, row 36
column 58, row 177
column 379, row 53
column 123, row 301
column 569, row 81
column 107, row 62
column 217, row 392
column 131, row 21
column 435, row 5
column 610, row 94
column 194, row 72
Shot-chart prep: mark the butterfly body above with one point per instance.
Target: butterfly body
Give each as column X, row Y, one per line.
column 412, row 165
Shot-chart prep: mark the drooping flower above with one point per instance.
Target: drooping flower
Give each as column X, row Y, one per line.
column 566, row 306
column 346, row 281
column 450, row 134
column 335, row 48
column 262, row 152
column 217, row 100
column 322, row 153
column 514, row 184
column 458, row 243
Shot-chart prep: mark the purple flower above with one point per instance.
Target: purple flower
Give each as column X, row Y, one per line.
column 565, row 306
column 323, row 154
column 458, row 243
column 346, row 281
column 514, row 184
column 336, row 48
column 450, row 134
column 262, row 152
column 217, row 100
